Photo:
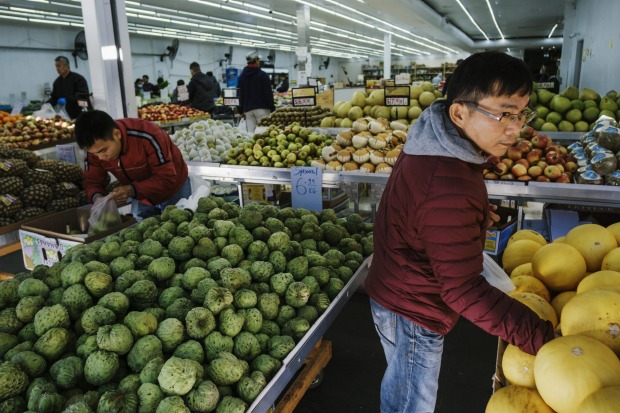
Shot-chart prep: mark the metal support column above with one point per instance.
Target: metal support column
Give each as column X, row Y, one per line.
column 304, row 57
column 109, row 60
column 387, row 56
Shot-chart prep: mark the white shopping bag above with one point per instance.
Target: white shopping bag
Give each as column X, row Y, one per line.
column 200, row 189
column 495, row 275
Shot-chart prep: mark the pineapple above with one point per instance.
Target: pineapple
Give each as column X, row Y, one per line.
column 12, row 167
column 64, row 190
column 68, row 172
column 11, row 185
column 29, row 212
column 29, row 157
column 5, row 221
column 38, row 195
column 38, row 176
column 46, row 164
column 9, row 205
column 62, row 204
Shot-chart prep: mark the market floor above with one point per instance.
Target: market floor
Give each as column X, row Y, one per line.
column 353, row 376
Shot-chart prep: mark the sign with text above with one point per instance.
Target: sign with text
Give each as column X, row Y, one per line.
column 66, row 153
column 396, row 95
column 231, row 102
column 545, row 85
column 402, row 79
column 306, row 184
column 304, row 96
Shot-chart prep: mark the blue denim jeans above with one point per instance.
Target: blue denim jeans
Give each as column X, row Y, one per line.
column 413, row 356
column 141, row 211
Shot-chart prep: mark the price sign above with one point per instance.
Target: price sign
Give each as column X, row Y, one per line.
column 306, row 184
column 396, row 96
column 544, row 85
column 66, row 153
column 304, row 96
column 231, row 101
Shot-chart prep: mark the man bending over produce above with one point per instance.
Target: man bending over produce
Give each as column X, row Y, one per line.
column 148, row 165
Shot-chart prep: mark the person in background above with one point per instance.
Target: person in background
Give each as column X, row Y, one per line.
column 201, row 90
column 282, row 87
column 148, row 165
column 255, row 94
column 147, row 86
column 138, row 86
column 218, row 88
column 448, row 76
column 429, row 235
column 437, row 79
column 66, row 87
column 180, row 93
column 548, row 74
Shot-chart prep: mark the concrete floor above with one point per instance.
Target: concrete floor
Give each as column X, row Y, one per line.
column 353, row 376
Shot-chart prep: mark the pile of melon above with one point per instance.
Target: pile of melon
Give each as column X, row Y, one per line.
column 574, row 282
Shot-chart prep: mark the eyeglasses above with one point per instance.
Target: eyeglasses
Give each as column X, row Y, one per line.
column 505, row 118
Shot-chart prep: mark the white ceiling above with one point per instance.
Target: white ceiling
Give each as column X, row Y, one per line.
column 346, row 28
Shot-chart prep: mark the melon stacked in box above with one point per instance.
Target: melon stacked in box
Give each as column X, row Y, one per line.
column 574, row 282
column 31, row 185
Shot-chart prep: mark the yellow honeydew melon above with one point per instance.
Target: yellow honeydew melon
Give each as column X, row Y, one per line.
column 527, row 234
column 531, row 284
column 537, row 304
column 415, row 91
column 559, row 266
column 517, row 399
column 570, row 368
column 358, row 99
column 560, row 239
column 593, row 242
column 606, row 279
column 611, row 261
column 519, row 252
column 560, row 300
column 615, row 229
column 606, row 400
column 518, row 367
column 523, row 269
column 596, row 314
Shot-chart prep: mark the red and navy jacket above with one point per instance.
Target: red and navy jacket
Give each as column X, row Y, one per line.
column 149, row 161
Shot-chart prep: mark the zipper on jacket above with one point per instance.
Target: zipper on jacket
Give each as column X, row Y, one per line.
column 123, row 168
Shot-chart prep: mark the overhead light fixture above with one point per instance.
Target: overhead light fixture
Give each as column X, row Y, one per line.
column 555, row 26
column 495, row 21
column 472, row 19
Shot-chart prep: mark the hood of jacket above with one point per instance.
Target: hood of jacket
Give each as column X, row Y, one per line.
column 434, row 134
column 251, row 70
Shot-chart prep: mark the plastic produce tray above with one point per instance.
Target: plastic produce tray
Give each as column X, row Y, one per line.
column 296, row 358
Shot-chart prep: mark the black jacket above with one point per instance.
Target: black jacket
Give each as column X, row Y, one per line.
column 67, row 88
column 202, row 92
column 255, row 90
column 282, row 86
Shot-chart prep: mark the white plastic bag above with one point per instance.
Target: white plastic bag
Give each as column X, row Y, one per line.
column 104, row 215
column 242, row 125
column 495, row 275
column 200, row 189
column 46, row 112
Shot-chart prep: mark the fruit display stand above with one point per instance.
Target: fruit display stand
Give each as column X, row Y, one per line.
column 268, row 398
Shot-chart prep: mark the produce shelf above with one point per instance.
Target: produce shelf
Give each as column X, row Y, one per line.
column 296, row 358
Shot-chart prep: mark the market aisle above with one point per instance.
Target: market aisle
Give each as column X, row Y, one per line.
column 353, row 376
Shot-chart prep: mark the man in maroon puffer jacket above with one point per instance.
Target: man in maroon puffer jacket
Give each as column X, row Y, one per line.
column 430, row 230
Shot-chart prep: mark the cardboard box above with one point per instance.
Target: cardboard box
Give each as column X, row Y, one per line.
column 499, row 380
column 498, row 235
column 45, row 240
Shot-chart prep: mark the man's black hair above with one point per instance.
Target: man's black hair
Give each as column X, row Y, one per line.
column 180, row 82
column 194, row 66
column 62, row 59
column 92, row 126
column 145, row 76
column 489, row 74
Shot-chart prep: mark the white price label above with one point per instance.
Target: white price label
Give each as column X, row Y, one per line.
column 399, row 101
column 303, row 101
column 231, row 102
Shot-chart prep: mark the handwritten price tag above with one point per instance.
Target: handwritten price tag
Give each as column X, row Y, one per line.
column 306, row 184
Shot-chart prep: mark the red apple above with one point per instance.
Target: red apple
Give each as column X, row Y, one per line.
column 514, row 153
column 540, row 141
column 493, row 159
column 552, row 157
column 491, row 176
column 563, row 150
column 527, row 132
column 523, row 162
column 524, row 178
column 535, row 171
column 518, row 170
column 552, row 148
column 552, row 172
column 542, row 178
column 525, row 146
column 533, row 157
column 564, row 178
column 542, row 164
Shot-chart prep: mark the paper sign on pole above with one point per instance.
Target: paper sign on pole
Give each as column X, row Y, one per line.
column 306, row 185
column 66, row 153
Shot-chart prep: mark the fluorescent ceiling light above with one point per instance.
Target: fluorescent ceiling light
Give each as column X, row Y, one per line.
column 49, row 22
column 495, row 21
column 13, row 18
column 472, row 19
column 555, row 26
